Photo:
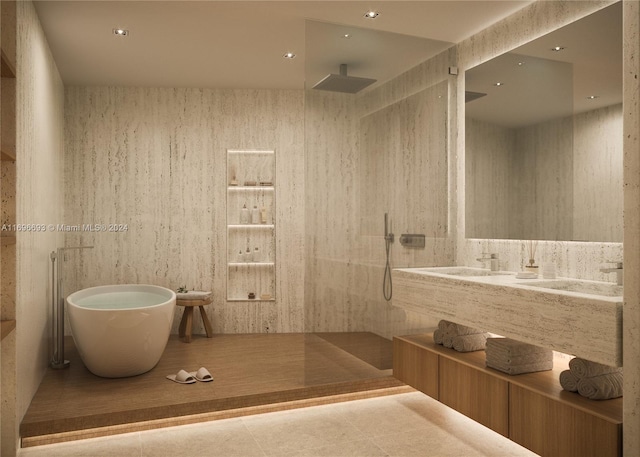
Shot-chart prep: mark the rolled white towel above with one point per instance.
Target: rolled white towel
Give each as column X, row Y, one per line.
column 457, row 329
column 193, row 295
column 569, row 381
column 443, row 325
column 447, row 341
column 437, row 336
column 601, row 387
column 470, row 343
column 585, row 368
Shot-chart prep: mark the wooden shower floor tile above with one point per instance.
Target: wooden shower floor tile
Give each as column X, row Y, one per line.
column 251, row 370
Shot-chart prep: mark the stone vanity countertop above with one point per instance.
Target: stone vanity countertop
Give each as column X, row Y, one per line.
column 586, row 325
column 600, row 290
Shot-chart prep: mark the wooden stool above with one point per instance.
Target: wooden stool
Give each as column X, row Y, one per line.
column 187, row 318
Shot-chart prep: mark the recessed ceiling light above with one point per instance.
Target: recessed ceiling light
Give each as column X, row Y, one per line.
column 520, row 64
column 592, row 97
column 346, row 35
column 498, row 84
column 557, row 48
column 289, row 55
column 120, row 32
column 371, row 14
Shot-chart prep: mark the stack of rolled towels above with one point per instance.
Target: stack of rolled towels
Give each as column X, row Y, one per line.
column 592, row 380
column 459, row 337
column 515, row 357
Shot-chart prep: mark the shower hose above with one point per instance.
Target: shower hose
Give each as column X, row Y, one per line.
column 387, row 286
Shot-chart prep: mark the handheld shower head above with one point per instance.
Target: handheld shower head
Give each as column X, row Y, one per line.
column 387, row 287
column 387, row 235
column 386, row 224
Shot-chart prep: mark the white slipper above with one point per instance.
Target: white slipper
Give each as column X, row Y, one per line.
column 182, row 377
column 202, row 375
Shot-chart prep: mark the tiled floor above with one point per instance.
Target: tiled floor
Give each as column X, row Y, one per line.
column 409, row 424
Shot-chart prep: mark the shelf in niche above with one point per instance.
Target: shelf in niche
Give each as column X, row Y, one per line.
column 251, row 151
column 244, row 226
column 248, row 264
column 249, row 300
column 246, row 188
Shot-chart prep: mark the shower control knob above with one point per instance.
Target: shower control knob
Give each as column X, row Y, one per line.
column 412, row 240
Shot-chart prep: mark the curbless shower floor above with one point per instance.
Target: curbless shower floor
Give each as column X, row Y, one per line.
column 252, row 373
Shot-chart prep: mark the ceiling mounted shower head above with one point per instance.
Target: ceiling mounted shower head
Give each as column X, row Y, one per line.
column 343, row 83
column 470, row 96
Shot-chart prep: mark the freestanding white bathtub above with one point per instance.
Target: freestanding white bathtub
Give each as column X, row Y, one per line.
column 121, row 330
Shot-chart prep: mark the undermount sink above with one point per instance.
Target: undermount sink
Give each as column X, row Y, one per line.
column 460, row 271
column 584, row 287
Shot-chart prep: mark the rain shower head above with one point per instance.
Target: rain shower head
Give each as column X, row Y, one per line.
column 470, row 96
column 343, row 83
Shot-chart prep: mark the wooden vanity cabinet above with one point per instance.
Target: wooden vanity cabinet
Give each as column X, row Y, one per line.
column 478, row 395
column 552, row 428
column 415, row 366
column 530, row 409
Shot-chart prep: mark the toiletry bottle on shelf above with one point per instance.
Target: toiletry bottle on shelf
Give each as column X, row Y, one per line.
column 263, row 216
column 240, row 256
column 255, row 215
column 256, row 255
column 244, row 214
column 248, row 256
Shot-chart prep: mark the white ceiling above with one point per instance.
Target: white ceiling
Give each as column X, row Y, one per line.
column 239, row 44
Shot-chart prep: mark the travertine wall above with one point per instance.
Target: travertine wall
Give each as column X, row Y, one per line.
column 631, row 323
column 155, row 159
column 40, row 95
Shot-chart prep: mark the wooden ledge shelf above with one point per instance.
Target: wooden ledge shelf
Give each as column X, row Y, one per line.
column 545, row 383
column 7, row 240
column 531, row 409
column 7, row 68
column 6, row 327
column 7, row 156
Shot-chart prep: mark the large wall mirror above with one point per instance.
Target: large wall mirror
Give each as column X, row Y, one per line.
column 544, row 137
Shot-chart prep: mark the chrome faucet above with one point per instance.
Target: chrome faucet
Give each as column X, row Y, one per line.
column 618, row 270
column 492, row 258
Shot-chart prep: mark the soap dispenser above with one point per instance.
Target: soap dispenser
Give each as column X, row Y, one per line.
column 244, row 214
column 255, row 215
